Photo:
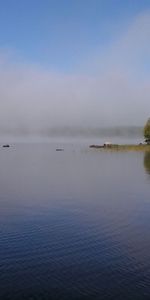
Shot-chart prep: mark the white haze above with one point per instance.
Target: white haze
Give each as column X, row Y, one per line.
column 112, row 89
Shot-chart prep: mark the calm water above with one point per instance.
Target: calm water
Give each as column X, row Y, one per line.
column 74, row 224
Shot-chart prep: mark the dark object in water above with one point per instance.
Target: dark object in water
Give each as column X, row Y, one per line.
column 59, row 149
column 6, row 146
column 96, row 146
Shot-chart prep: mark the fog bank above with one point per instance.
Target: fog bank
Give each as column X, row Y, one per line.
column 112, row 89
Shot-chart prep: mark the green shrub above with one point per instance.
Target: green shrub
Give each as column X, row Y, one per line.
column 147, row 132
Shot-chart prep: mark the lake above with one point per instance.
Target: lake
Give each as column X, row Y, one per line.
column 74, row 224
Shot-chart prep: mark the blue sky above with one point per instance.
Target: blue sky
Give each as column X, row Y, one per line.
column 74, row 63
column 61, row 34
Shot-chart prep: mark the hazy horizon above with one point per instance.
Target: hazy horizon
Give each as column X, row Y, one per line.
column 117, row 131
column 82, row 65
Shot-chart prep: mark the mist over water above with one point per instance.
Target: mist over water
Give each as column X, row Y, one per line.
column 122, row 134
column 109, row 88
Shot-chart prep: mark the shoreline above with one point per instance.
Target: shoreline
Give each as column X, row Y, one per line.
column 124, row 147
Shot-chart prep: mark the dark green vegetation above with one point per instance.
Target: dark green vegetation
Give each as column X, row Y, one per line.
column 147, row 132
column 147, row 162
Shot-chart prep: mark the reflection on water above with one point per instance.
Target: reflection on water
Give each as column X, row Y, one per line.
column 73, row 224
column 147, row 162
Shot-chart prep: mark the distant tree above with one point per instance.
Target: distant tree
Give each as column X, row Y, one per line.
column 147, row 132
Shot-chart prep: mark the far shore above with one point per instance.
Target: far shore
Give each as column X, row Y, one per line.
column 124, row 147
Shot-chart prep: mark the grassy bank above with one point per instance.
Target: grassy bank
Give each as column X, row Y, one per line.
column 140, row 147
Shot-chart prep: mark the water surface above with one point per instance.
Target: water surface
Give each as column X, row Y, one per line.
column 74, row 224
